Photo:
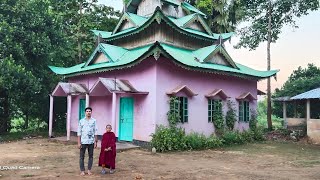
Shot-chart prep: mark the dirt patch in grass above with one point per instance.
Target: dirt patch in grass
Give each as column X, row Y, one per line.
column 269, row 160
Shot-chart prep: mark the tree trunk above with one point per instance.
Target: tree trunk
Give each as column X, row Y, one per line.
column 5, row 122
column 26, row 121
column 79, row 34
column 269, row 110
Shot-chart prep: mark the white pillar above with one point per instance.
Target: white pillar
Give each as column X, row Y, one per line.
column 87, row 100
column 285, row 121
column 308, row 110
column 50, row 116
column 113, row 120
column 68, row 116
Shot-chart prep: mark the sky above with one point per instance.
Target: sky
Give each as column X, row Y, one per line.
column 294, row 48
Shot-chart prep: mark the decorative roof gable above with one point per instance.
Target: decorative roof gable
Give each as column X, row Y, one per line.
column 159, row 17
column 193, row 21
column 100, row 58
column 127, row 21
column 133, row 5
column 214, row 54
column 106, row 53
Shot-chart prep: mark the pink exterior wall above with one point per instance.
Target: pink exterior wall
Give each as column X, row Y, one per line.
column 157, row 78
column 142, row 77
column 170, row 75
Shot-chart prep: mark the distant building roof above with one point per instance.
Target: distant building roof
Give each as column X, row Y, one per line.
column 312, row 94
column 285, row 98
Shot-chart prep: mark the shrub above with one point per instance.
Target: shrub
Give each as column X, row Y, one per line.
column 232, row 137
column 247, row 136
column 218, row 120
column 253, row 119
column 258, row 134
column 196, row 141
column 168, row 139
column 214, row 142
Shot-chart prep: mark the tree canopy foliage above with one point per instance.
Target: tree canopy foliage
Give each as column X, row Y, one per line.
column 38, row 33
column 283, row 12
column 301, row 80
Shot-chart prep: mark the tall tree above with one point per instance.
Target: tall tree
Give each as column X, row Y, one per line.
column 266, row 18
column 77, row 18
column 29, row 35
column 223, row 15
column 35, row 34
column 16, row 85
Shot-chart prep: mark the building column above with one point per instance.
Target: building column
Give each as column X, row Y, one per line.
column 285, row 121
column 113, row 119
column 68, row 116
column 87, row 100
column 50, row 116
column 308, row 110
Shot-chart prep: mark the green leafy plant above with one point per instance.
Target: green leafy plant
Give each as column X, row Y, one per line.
column 231, row 137
column 196, row 141
column 173, row 113
column 214, row 142
column 258, row 134
column 253, row 119
column 169, row 139
column 231, row 116
column 218, row 120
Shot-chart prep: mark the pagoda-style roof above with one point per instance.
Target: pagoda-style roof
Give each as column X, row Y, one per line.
column 184, row 21
column 141, row 23
column 186, row 58
column 133, row 5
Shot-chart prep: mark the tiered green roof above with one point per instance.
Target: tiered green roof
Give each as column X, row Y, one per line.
column 178, row 24
column 190, row 59
column 199, row 60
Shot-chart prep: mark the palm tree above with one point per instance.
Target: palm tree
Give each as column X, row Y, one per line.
column 223, row 15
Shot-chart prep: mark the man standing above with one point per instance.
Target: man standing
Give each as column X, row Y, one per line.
column 87, row 139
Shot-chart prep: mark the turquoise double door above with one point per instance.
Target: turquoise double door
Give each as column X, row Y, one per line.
column 126, row 119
